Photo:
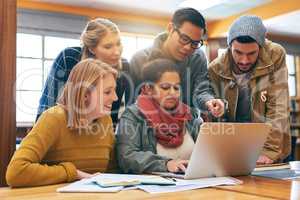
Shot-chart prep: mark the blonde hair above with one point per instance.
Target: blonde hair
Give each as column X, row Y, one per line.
column 94, row 31
column 82, row 79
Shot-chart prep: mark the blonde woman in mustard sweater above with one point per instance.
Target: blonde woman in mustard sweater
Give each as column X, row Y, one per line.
column 74, row 139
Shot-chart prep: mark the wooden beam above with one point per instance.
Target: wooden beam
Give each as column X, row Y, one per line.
column 92, row 13
column 284, row 38
column 275, row 8
column 8, row 26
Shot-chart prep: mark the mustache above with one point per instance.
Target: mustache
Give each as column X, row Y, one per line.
column 245, row 64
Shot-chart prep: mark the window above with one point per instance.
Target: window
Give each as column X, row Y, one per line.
column 132, row 43
column 35, row 54
column 221, row 51
column 290, row 62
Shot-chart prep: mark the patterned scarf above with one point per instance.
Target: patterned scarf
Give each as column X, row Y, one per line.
column 169, row 125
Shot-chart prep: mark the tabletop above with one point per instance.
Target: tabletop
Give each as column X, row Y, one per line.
column 252, row 188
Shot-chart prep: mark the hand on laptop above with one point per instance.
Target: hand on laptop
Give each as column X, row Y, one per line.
column 177, row 165
column 262, row 160
column 216, row 107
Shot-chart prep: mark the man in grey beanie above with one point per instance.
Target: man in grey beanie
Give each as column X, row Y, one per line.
column 252, row 76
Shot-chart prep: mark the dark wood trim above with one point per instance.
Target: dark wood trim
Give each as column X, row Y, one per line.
column 7, row 84
column 297, row 67
column 213, row 46
column 277, row 37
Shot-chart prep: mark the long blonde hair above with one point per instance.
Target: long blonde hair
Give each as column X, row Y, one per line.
column 83, row 77
column 94, row 31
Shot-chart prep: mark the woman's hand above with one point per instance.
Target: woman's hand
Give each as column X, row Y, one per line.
column 82, row 175
column 177, row 165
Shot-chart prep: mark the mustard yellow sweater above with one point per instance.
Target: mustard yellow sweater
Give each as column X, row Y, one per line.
column 51, row 152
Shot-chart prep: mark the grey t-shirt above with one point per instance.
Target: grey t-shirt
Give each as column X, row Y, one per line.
column 243, row 110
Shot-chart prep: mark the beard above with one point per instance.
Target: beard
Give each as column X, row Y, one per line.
column 240, row 70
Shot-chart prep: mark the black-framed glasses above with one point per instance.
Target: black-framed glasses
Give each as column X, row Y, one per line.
column 184, row 40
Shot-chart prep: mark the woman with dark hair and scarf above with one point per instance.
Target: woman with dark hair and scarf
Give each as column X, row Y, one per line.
column 157, row 133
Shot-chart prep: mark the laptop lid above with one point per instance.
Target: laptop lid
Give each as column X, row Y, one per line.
column 226, row 149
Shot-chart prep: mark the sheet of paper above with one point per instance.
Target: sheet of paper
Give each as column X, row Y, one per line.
column 183, row 185
column 87, row 185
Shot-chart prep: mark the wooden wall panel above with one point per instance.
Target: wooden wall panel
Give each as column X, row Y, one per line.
column 213, row 46
column 297, row 63
column 7, row 83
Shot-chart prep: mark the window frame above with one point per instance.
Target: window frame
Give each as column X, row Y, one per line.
column 294, row 75
column 43, row 59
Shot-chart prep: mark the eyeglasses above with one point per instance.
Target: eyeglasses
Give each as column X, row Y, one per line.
column 184, row 40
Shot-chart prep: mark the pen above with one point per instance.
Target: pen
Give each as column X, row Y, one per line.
column 171, row 179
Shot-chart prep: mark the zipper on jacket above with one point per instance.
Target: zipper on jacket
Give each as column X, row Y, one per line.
column 236, row 100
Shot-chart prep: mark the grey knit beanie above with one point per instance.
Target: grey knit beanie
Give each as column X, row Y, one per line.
column 247, row 25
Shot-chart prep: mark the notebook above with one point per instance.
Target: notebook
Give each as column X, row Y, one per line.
column 112, row 180
column 284, row 174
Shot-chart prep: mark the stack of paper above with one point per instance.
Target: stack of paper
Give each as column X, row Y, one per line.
column 147, row 183
column 276, row 171
column 269, row 167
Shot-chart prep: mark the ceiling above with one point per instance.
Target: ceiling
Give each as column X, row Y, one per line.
column 216, row 9
column 287, row 24
column 211, row 9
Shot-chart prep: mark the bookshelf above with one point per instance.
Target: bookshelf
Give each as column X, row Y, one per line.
column 295, row 125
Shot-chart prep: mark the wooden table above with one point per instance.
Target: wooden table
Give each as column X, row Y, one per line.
column 252, row 188
column 266, row 187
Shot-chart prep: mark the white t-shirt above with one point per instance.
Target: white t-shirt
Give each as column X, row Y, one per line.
column 183, row 152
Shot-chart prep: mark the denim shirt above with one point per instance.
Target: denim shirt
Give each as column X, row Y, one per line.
column 59, row 74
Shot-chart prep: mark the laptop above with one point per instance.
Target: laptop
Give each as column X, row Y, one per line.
column 225, row 149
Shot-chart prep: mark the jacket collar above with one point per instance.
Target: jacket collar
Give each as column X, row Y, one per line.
column 157, row 49
column 159, row 40
column 262, row 67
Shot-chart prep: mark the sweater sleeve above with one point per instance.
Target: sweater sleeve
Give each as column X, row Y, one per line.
column 26, row 167
column 202, row 90
column 278, row 145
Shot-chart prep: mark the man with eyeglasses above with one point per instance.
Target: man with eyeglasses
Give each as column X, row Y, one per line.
column 252, row 76
column 181, row 44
